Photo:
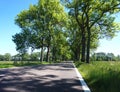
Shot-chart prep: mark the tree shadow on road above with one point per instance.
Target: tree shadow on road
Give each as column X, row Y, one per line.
column 22, row 80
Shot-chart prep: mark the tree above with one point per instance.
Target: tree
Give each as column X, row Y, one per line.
column 88, row 21
column 16, row 58
column 105, row 19
column 25, row 57
column 54, row 15
column 40, row 22
column 60, row 47
column 91, row 14
column 21, row 41
column 118, row 58
column 2, row 58
column 35, row 56
column 110, row 57
column 7, row 57
column 101, row 56
column 74, row 39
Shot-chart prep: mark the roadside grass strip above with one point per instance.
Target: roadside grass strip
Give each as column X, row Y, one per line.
column 83, row 83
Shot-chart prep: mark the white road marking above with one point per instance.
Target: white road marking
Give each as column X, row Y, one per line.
column 84, row 85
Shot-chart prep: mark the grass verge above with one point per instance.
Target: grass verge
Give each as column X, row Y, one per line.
column 101, row 76
column 8, row 64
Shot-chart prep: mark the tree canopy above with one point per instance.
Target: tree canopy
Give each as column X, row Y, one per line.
column 66, row 29
column 93, row 17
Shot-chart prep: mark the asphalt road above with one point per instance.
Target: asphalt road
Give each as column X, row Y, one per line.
column 42, row 78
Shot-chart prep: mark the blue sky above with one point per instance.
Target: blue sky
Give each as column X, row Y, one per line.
column 110, row 46
column 8, row 11
column 113, row 45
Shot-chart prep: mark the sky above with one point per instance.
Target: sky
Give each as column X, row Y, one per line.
column 9, row 10
column 110, row 46
column 113, row 45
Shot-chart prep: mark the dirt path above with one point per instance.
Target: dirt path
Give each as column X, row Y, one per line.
column 43, row 78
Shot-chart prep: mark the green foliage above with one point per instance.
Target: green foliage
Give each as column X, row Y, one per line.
column 35, row 56
column 1, row 57
column 48, row 27
column 21, row 41
column 7, row 57
column 39, row 25
column 25, row 57
column 93, row 17
column 118, row 58
column 101, row 76
column 101, row 56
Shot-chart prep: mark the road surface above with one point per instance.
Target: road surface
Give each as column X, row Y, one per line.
column 43, row 78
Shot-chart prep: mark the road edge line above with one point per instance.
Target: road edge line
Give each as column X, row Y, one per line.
column 83, row 83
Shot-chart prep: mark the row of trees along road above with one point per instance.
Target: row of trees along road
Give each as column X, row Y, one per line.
column 66, row 29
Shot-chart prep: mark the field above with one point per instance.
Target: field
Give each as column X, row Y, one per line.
column 101, row 76
column 8, row 64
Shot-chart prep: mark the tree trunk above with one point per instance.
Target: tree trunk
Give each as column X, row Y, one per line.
column 48, row 54
column 41, row 55
column 78, row 53
column 54, row 54
column 78, row 46
column 88, row 39
column 88, row 47
column 83, row 42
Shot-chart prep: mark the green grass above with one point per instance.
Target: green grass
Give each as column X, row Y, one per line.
column 8, row 64
column 101, row 76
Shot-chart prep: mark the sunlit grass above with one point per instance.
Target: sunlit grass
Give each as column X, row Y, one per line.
column 8, row 64
column 101, row 76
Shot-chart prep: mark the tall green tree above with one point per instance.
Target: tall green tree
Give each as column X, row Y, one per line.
column 53, row 15
column 60, row 47
column 89, row 14
column 7, row 56
column 40, row 21
column 74, row 39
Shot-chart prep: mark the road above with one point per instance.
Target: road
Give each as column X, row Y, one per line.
column 43, row 78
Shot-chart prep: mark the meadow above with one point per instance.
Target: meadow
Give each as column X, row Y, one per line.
column 9, row 64
column 101, row 76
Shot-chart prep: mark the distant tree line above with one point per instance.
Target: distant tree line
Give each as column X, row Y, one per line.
column 35, row 56
column 101, row 56
column 5, row 57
